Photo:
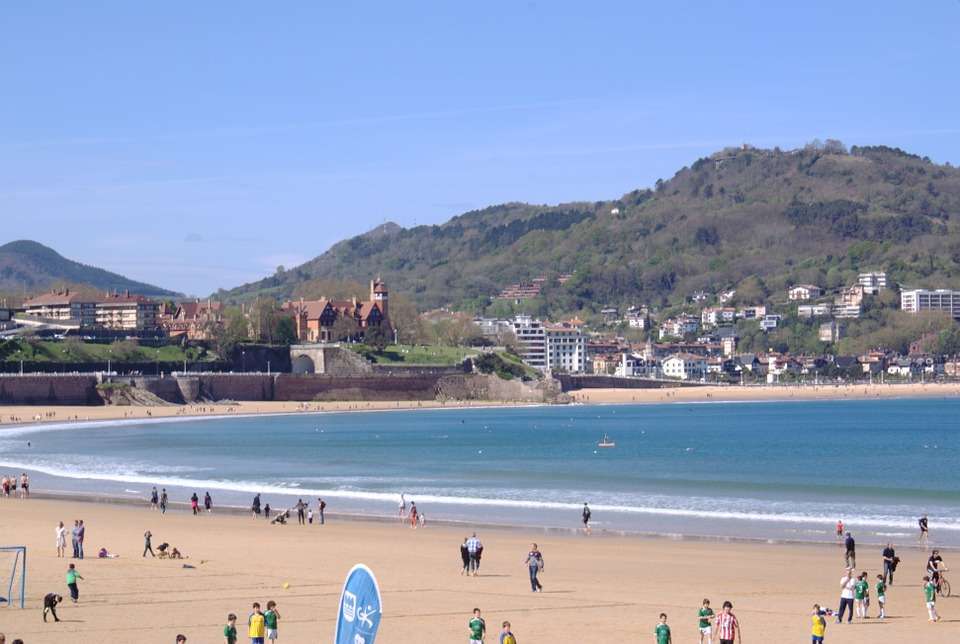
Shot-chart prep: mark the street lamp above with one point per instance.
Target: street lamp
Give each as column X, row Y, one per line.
column 158, row 362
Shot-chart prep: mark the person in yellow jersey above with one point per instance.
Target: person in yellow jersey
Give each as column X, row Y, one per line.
column 819, row 625
column 506, row 635
column 256, row 625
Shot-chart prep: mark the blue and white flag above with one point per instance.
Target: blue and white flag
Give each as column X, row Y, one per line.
column 360, row 608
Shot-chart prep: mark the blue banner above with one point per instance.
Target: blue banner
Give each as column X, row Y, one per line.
column 360, row 608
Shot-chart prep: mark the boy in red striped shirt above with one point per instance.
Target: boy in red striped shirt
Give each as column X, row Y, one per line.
column 728, row 627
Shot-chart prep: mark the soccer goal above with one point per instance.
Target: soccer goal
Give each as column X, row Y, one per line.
column 13, row 575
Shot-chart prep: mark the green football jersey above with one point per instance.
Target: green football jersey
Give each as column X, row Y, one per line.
column 705, row 614
column 663, row 634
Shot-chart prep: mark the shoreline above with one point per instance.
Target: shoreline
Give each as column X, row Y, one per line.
column 183, row 507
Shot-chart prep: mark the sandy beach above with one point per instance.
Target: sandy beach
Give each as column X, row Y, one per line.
column 596, row 589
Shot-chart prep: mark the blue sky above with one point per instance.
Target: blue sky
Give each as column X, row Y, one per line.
column 200, row 145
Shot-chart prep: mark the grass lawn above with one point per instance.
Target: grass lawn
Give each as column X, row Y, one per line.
column 75, row 351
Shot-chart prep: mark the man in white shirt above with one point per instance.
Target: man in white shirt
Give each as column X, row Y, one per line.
column 473, row 549
column 847, row 584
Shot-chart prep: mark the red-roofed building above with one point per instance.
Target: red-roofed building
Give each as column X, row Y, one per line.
column 314, row 319
column 194, row 319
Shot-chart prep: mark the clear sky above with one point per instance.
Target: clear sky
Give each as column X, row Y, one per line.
column 198, row 145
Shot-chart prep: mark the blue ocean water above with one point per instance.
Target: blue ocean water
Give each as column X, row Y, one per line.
column 767, row 470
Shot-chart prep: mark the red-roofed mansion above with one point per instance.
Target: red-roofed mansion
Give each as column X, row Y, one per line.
column 315, row 319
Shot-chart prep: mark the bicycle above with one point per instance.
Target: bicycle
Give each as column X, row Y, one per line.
column 944, row 588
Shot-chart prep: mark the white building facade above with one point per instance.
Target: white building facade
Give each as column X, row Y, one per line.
column 918, row 299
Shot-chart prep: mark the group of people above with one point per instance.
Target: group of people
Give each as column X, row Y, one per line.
column 471, row 552
column 416, row 517
column 261, row 625
column 855, row 588
column 77, row 536
column 8, row 485
column 305, row 513
column 725, row 625
column 477, row 628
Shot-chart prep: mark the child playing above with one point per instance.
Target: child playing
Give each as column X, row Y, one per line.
column 72, row 577
column 882, row 596
column 255, row 625
column 819, row 628
column 477, row 627
column 270, row 620
column 930, row 594
column 230, row 630
column 706, row 623
column 860, row 595
column 662, row 631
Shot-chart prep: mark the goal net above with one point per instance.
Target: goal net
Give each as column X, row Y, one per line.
column 13, row 576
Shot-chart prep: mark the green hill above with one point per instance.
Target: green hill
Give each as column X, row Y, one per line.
column 761, row 219
column 30, row 267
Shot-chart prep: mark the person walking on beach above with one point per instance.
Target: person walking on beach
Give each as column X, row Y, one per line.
column 309, row 515
column 847, row 584
column 414, row 517
column 585, row 517
column 473, row 547
column 81, row 533
column 255, row 507
column 271, row 621
column 890, row 561
column 301, row 512
column 61, row 540
column 163, row 501
column 208, row 502
column 930, row 596
column 506, row 635
column 256, row 627
column 402, row 509
column 818, row 627
column 534, row 562
column 24, row 486
column 839, row 529
column 465, row 556
column 850, row 548
column 705, row 625
column 148, row 544
column 924, row 530
column 662, row 631
column 72, row 577
column 154, row 498
column 75, row 539
column 50, row 601
column 477, row 628
column 728, row 627
column 321, row 506
column 195, row 504
column 266, row 512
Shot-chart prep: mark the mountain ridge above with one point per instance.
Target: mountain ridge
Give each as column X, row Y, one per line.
column 27, row 266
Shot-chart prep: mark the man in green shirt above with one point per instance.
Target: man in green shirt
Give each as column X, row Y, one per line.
column 478, row 628
column 706, row 622
column 930, row 594
column 662, row 631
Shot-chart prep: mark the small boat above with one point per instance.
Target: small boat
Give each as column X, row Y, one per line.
column 606, row 442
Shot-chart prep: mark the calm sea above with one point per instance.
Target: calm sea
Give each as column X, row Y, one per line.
column 767, row 470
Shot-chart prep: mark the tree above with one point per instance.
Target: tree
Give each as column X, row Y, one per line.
column 344, row 328
column 377, row 338
column 232, row 332
column 285, row 331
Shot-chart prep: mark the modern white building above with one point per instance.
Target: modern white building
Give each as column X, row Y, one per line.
column 919, row 299
column 566, row 348
column 679, row 326
column 770, row 321
column 684, row 366
column 716, row 315
column 808, row 311
column 872, row 282
column 532, row 339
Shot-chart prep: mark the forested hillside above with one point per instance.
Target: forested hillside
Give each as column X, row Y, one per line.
column 753, row 218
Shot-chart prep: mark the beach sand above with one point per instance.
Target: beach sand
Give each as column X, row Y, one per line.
column 737, row 393
column 597, row 589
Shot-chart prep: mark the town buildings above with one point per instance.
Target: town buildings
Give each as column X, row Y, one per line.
column 532, row 340
column 112, row 311
column 872, row 282
column 62, row 306
column 566, row 348
column 684, row 366
column 195, row 320
column 918, row 299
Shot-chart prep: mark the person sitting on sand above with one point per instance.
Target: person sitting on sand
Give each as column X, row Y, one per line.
column 162, row 550
column 106, row 554
column 175, row 554
column 280, row 519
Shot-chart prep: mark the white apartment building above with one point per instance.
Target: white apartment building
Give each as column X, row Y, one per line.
column 872, row 282
column 808, row 311
column 770, row 321
column 566, row 348
column 804, row 292
column 716, row 315
column 125, row 312
column 919, row 299
column 679, row 326
column 684, row 366
column 532, row 340
column 63, row 306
